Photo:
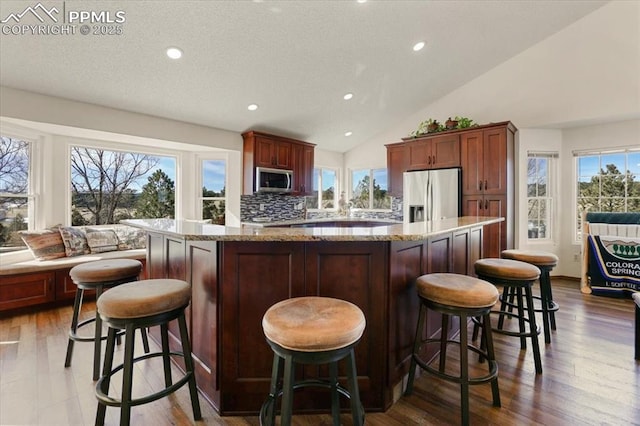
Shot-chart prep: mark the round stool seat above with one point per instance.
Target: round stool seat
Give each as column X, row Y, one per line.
column 144, row 298
column 457, row 290
column 538, row 258
column 102, row 271
column 313, row 324
column 506, row 269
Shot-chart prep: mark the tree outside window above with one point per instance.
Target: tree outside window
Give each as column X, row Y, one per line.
column 324, row 198
column 607, row 182
column 214, row 190
column 109, row 186
column 369, row 189
column 15, row 199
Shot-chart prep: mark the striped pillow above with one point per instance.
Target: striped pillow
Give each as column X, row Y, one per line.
column 44, row 245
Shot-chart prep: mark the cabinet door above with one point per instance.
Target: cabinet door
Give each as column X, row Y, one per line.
column 471, row 160
column 282, row 155
column 494, row 161
column 475, row 248
column 472, row 205
column 397, row 163
column 495, row 238
column 265, row 152
column 302, row 166
column 254, row 277
column 461, row 249
column 18, row 291
column 419, row 153
column 439, row 253
column 445, row 151
column 356, row 272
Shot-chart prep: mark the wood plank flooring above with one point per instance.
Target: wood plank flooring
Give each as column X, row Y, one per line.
column 589, row 378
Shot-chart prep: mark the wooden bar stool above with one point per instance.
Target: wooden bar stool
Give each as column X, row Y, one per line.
column 515, row 276
column 136, row 305
column 98, row 276
column 312, row 330
column 465, row 297
column 545, row 262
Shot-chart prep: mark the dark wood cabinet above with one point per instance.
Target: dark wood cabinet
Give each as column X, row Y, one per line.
column 434, row 152
column 397, row 164
column 302, row 163
column 266, row 150
column 19, row 291
column 487, row 157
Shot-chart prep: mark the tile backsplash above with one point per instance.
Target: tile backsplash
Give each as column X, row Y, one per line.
column 278, row 207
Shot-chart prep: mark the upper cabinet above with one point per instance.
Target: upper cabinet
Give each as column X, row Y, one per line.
column 397, row 164
column 434, row 152
column 277, row 152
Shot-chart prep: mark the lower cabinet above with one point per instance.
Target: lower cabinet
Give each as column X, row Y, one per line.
column 235, row 282
column 18, row 291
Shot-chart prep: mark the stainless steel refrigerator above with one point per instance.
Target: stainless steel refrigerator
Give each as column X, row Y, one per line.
column 432, row 194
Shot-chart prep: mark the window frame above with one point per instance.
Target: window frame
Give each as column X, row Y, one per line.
column 577, row 216
column 550, row 198
column 199, row 198
column 121, row 147
column 336, row 193
column 371, row 171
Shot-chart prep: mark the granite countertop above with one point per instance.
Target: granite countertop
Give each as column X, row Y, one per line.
column 398, row 232
column 267, row 222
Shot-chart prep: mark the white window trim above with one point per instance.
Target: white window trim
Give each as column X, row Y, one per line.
column 552, row 191
column 350, row 192
column 336, row 195
column 199, row 199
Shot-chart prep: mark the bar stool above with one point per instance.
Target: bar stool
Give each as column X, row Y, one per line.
column 98, row 275
column 465, row 297
column 136, row 305
column 312, row 330
column 518, row 276
column 545, row 262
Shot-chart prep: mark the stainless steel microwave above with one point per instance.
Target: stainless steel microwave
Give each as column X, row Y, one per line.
column 273, row 180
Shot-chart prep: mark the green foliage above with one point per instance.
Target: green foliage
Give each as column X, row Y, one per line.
column 157, row 199
column 361, row 196
column 464, row 122
column 606, row 191
column 423, row 127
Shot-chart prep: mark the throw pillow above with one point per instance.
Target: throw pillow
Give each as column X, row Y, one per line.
column 101, row 240
column 130, row 238
column 44, row 245
column 75, row 242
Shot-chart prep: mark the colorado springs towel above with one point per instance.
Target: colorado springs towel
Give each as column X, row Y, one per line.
column 614, row 262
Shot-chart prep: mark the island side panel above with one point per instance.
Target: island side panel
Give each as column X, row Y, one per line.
column 356, row 272
column 253, row 276
column 202, row 274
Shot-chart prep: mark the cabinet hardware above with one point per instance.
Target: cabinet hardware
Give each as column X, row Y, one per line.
column 479, row 204
column 486, row 204
column 480, row 187
column 485, row 185
column 429, row 160
column 434, row 160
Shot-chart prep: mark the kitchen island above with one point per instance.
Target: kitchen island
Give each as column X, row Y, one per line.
column 236, row 274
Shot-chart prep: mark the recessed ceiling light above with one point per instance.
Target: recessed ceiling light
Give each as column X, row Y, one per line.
column 174, row 53
column 348, row 133
column 418, row 46
column 348, row 96
column 361, row 1
column 252, row 107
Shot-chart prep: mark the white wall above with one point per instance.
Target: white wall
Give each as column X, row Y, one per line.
column 585, row 74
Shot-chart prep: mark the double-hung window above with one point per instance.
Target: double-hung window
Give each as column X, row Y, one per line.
column 607, row 181
column 325, row 190
column 541, row 171
column 213, row 196
column 16, row 194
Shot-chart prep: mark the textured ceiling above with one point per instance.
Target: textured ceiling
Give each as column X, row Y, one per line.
column 295, row 59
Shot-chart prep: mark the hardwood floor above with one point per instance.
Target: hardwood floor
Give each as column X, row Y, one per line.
column 589, row 377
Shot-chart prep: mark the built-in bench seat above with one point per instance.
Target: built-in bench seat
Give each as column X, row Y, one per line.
column 27, row 282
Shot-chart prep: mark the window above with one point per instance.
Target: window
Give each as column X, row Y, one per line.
column 369, row 181
column 109, row 186
column 607, row 181
column 540, row 195
column 213, row 201
column 326, row 198
column 16, row 198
